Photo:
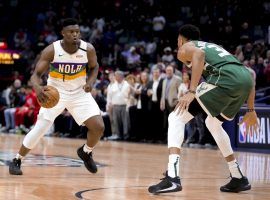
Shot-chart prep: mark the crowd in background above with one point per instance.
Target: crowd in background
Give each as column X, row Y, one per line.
column 140, row 78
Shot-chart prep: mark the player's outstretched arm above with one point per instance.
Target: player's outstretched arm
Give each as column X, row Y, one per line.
column 250, row 118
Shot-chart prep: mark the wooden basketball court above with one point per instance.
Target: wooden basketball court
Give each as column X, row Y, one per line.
column 53, row 171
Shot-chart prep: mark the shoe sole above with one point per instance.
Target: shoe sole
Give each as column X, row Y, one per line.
column 90, row 170
column 169, row 191
column 247, row 187
column 16, row 174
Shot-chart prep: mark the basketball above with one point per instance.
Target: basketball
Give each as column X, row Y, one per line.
column 53, row 97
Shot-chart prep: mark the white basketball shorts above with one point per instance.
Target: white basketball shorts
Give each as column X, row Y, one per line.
column 80, row 104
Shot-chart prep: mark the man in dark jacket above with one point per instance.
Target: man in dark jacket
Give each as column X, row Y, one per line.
column 154, row 93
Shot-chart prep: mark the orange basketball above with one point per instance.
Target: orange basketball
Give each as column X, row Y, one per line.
column 53, row 97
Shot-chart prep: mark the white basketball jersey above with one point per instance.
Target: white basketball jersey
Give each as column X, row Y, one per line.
column 68, row 71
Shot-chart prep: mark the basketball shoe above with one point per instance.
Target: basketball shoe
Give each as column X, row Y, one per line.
column 15, row 167
column 167, row 184
column 236, row 185
column 88, row 160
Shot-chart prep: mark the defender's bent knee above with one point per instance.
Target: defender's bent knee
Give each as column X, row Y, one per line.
column 185, row 117
column 176, row 128
column 208, row 122
column 219, row 134
column 213, row 124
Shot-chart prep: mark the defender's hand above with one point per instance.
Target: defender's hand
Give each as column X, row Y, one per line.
column 184, row 102
column 252, row 125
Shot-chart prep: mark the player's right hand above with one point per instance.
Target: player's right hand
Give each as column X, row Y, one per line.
column 41, row 93
column 184, row 102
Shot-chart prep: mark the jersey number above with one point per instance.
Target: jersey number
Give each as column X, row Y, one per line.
column 223, row 52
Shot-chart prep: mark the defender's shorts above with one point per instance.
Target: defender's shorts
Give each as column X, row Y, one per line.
column 225, row 98
column 80, row 104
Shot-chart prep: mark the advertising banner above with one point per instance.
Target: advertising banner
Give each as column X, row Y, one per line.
column 261, row 138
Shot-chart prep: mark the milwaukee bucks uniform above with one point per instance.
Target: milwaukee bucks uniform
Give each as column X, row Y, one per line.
column 228, row 82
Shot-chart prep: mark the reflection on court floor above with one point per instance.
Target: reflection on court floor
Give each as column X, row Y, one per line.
column 257, row 166
column 53, row 170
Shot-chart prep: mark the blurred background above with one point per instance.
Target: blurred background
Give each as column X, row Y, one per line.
column 139, row 39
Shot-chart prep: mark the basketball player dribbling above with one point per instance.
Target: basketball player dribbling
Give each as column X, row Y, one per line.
column 67, row 62
column 228, row 85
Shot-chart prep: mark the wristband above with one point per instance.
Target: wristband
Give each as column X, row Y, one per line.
column 250, row 110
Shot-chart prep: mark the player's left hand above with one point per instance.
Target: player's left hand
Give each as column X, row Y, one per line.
column 252, row 125
column 184, row 102
column 87, row 87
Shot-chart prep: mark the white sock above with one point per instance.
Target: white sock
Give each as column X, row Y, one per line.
column 18, row 156
column 235, row 169
column 87, row 149
column 173, row 165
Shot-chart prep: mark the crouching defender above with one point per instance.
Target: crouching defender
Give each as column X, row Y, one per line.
column 228, row 85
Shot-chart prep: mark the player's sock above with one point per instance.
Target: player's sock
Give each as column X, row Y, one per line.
column 235, row 169
column 238, row 182
column 173, row 165
column 171, row 181
column 87, row 149
column 18, row 156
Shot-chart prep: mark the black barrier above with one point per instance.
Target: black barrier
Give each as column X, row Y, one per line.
column 259, row 140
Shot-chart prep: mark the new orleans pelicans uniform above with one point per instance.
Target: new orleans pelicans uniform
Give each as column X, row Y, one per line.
column 68, row 75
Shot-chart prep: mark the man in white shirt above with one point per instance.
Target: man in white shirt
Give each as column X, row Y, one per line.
column 159, row 22
column 117, row 99
column 167, row 57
